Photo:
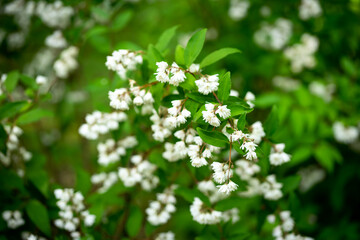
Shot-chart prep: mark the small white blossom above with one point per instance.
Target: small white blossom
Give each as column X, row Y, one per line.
column 208, row 84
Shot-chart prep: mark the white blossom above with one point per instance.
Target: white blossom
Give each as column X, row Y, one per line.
column 309, row 9
column 278, row 156
column 204, row 216
column 13, row 219
column 56, row 40
column 301, row 55
column 274, row 36
column 238, row 9
column 227, row 188
column 321, row 90
column 159, row 211
column 98, row 123
column 67, row 62
column 72, row 211
column 345, row 134
column 208, row 84
column 122, row 61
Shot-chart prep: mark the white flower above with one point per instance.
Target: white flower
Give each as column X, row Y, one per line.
column 309, row 9
column 208, row 84
column 238, row 9
column 228, row 187
column 204, row 216
column 302, row 55
column 56, row 40
column 41, row 80
column 277, row 156
column 274, row 36
column 211, row 118
column 122, row 61
column 194, row 68
column 223, row 111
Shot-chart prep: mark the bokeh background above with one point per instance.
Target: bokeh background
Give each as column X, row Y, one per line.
column 308, row 101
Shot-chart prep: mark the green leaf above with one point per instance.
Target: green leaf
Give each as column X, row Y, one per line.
column 213, row 138
column 327, row 155
column 238, row 109
column 241, row 122
column 272, row 122
column 101, row 43
column 39, row 216
column 34, row 115
column 11, row 109
column 224, row 87
column 154, row 56
column 133, row 224
column 83, row 182
column 217, row 55
column 40, row 179
column 121, row 20
column 194, row 46
column 198, row 97
column 28, row 81
column 297, row 122
column 290, row 183
column 267, row 100
column 189, row 83
column 11, row 81
column 179, row 55
column 165, row 38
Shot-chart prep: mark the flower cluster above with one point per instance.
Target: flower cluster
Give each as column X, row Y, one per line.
column 72, row 211
column 14, row 147
column 111, row 151
column 301, row 55
column 222, row 174
column 321, row 90
column 250, row 98
column 309, row 9
column 55, row 14
column 310, row 176
column 106, row 179
column 165, row 236
column 285, row 83
column 238, row 9
column 274, row 37
column 29, row 236
column 13, row 219
column 56, row 40
column 257, row 132
column 179, row 150
column 208, row 83
column 122, row 61
column 99, row 123
column 67, row 62
column 246, row 169
column 203, row 214
column 173, row 75
column 278, row 156
column 199, row 151
column 285, row 230
column 271, row 188
column 159, row 211
column 178, row 113
column 345, row 134
column 161, row 126
column 209, row 189
column 142, row 172
column 210, row 117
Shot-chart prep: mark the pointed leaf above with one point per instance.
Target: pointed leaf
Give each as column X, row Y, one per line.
column 217, row 55
column 194, row 46
column 213, row 138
